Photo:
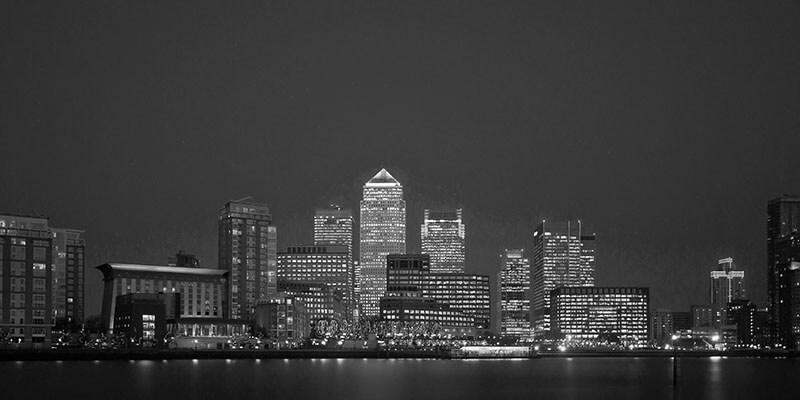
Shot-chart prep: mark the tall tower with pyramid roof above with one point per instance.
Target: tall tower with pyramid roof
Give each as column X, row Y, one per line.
column 383, row 232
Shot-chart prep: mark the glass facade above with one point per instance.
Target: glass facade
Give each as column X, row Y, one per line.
column 443, row 239
column 584, row 313
column 515, row 303
column 563, row 255
column 383, row 232
column 248, row 249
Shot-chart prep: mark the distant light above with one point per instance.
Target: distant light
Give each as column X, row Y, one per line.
column 562, row 348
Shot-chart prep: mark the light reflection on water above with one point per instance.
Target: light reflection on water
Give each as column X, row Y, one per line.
column 597, row 378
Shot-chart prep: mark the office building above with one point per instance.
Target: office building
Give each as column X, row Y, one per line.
column 514, row 281
column 428, row 311
column 468, row 293
column 409, row 275
column 383, row 232
column 26, row 280
column 783, row 264
column 284, row 319
column 335, row 226
column 563, row 255
column 68, row 279
column 203, row 293
column 248, row 249
column 329, row 264
column 726, row 285
column 321, row 301
column 443, row 239
column 591, row 313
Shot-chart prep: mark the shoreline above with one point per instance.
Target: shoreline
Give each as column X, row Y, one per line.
column 139, row 354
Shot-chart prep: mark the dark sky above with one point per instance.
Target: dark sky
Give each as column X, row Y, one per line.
column 667, row 126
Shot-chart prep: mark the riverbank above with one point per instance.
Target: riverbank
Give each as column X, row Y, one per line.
column 184, row 354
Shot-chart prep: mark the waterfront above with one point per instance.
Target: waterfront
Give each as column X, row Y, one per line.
column 572, row 378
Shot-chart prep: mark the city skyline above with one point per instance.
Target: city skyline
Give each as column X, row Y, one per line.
column 318, row 211
column 670, row 144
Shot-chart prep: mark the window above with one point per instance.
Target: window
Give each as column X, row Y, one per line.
column 39, row 269
column 17, row 252
column 40, row 254
column 148, row 326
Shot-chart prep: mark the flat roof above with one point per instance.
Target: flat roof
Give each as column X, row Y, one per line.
column 161, row 269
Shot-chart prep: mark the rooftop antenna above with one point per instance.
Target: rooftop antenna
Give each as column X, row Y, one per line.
column 243, row 199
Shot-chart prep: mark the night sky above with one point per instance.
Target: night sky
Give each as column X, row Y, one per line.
column 666, row 127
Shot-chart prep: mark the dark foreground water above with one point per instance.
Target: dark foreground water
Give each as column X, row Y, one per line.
column 547, row 378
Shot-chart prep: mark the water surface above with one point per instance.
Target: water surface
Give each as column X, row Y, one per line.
column 547, row 378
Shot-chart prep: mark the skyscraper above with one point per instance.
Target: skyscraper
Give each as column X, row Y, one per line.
column 443, row 239
column 68, row 280
column 335, row 227
column 726, row 286
column 563, row 255
column 783, row 264
column 515, row 301
column 247, row 248
column 383, row 232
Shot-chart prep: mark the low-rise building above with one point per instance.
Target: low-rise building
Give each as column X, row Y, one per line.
column 321, row 301
column 203, row 295
column 589, row 313
column 282, row 318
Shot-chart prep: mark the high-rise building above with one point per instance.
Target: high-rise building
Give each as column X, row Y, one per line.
column 661, row 327
column 726, row 285
column 324, row 264
column 515, row 302
column 783, row 269
column 26, row 280
column 383, row 232
column 443, row 235
column 247, row 248
column 335, row 227
column 563, row 255
column 591, row 313
column 68, row 280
